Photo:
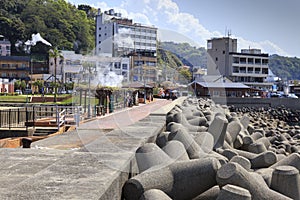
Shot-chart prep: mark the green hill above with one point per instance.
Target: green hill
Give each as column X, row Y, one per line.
column 191, row 56
column 59, row 22
column 287, row 68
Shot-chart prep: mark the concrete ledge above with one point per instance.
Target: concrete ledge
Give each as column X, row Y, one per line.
column 81, row 164
column 60, row 175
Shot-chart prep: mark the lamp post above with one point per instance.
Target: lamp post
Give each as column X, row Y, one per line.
column 144, row 86
column 89, row 92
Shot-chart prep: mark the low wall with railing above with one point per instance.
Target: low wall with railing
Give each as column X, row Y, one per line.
column 16, row 121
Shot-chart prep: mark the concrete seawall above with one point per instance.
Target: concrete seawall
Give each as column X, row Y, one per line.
column 259, row 102
column 84, row 164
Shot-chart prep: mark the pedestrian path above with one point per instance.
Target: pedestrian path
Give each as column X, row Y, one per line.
column 125, row 117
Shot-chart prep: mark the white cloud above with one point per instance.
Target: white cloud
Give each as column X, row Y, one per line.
column 265, row 46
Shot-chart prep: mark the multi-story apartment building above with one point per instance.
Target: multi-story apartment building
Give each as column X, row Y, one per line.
column 249, row 67
column 15, row 67
column 120, row 37
column 5, row 47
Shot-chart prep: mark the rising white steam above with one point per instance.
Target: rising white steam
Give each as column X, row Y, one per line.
column 37, row 38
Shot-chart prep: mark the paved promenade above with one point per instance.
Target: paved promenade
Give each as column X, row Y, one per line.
column 125, row 117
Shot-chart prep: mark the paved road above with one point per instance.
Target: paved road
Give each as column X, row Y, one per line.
column 125, row 117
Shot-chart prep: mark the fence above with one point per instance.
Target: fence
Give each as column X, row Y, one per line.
column 16, row 117
column 41, row 115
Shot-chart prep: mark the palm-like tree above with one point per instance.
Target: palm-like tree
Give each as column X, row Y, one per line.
column 55, row 53
column 20, row 85
column 38, row 84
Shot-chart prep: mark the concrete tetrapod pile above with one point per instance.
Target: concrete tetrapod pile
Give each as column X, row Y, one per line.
column 211, row 152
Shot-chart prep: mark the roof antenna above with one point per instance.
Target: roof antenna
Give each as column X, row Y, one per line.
column 229, row 32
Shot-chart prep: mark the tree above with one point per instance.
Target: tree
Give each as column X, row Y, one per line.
column 55, row 53
column 186, row 74
column 38, row 84
column 69, row 86
column 58, row 21
column 20, row 85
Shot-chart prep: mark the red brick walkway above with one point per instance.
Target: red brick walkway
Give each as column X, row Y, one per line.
column 125, row 117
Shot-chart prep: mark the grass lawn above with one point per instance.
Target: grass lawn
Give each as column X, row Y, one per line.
column 23, row 99
column 13, row 99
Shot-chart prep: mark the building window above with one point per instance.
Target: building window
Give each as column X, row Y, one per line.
column 216, row 58
column 250, row 60
column 99, row 35
column 117, row 65
column 223, row 52
column 124, row 66
column 216, row 93
column 242, row 60
column 235, row 70
column 265, row 71
column 236, row 60
column 257, row 61
column 243, row 70
column 265, row 61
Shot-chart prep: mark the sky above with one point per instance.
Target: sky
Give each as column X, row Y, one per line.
column 270, row 25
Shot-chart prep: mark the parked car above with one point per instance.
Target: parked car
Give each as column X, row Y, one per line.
column 18, row 91
column 276, row 95
column 63, row 92
column 28, row 91
column 293, row 96
column 71, row 91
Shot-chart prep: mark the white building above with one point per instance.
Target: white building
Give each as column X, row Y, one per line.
column 5, row 47
column 117, row 36
column 120, row 37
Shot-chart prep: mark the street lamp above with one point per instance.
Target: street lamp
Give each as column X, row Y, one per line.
column 144, row 86
column 89, row 99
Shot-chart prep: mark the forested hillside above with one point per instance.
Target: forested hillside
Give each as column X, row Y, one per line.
column 188, row 54
column 59, row 22
column 285, row 67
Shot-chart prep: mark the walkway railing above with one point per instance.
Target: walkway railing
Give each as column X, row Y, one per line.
column 15, row 117
column 23, row 117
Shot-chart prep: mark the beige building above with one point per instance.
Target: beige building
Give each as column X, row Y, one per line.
column 249, row 67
